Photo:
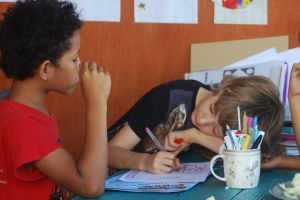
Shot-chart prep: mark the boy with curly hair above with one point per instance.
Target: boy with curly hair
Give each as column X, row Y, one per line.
column 39, row 44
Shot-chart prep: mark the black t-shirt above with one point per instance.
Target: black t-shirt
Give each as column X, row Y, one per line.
column 167, row 107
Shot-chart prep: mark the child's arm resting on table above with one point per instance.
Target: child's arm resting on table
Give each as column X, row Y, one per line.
column 86, row 175
column 120, row 155
column 281, row 161
column 190, row 136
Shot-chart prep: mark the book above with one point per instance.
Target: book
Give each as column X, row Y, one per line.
column 292, row 151
column 176, row 181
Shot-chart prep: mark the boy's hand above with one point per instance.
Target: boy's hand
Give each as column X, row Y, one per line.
column 294, row 85
column 162, row 162
column 95, row 83
column 176, row 141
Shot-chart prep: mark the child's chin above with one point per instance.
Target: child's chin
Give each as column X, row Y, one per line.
column 69, row 90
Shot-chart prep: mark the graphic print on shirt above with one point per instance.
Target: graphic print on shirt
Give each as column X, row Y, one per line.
column 176, row 120
column 2, row 179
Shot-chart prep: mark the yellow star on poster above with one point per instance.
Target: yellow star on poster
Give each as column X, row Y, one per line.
column 142, row 6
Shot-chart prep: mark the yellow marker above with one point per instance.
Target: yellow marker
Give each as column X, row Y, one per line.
column 246, row 142
column 251, row 138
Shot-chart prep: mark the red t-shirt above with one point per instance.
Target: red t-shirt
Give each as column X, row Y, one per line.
column 26, row 135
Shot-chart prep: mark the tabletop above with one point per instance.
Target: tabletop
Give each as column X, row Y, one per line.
column 211, row 187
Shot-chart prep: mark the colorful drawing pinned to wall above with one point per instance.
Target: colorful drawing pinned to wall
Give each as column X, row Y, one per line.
column 233, row 4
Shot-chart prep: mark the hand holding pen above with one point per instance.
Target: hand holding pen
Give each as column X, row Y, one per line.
column 175, row 164
column 175, row 142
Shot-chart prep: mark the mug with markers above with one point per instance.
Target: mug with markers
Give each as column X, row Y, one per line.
column 241, row 155
column 241, row 168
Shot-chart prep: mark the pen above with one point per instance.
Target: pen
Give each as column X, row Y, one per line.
column 284, row 95
column 246, row 142
column 239, row 117
column 245, row 123
column 160, row 147
column 231, row 136
column 249, row 124
column 262, row 133
column 255, row 121
column 228, row 143
column 257, row 142
column 154, row 139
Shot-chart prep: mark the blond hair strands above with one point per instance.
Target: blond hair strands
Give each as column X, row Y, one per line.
column 255, row 95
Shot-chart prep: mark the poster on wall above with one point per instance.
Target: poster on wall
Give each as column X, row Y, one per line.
column 96, row 10
column 166, row 11
column 241, row 12
column 99, row 10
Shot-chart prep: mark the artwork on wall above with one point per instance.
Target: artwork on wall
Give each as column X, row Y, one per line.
column 96, row 10
column 233, row 4
column 241, row 12
column 166, row 11
column 99, row 10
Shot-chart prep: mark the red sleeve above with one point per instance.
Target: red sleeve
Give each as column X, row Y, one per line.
column 29, row 139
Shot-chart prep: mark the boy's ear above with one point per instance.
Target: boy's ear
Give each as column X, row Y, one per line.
column 44, row 69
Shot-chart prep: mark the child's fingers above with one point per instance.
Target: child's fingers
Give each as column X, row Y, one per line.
column 92, row 66
column 162, row 162
column 169, row 144
column 177, row 163
column 100, row 69
column 176, row 152
column 164, row 169
column 85, row 66
column 165, row 155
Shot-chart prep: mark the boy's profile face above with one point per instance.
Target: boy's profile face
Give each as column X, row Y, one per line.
column 205, row 118
column 65, row 76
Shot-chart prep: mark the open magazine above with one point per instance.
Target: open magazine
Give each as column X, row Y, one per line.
column 138, row 181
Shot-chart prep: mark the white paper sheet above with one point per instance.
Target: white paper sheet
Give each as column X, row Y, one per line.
column 189, row 172
column 255, row 13
column 96, row 10
column 271, row 69
column 166, row 11
column 274, row 69
column 264, row 56
column 99, row 10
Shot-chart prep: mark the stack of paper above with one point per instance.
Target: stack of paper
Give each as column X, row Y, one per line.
column 292, row 151
column 138, row 181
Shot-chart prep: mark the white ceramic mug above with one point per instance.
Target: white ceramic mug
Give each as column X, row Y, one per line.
column 241, row 168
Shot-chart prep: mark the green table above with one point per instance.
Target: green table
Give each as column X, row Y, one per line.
column 211, row 187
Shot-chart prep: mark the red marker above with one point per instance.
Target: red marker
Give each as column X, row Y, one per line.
column 178, row 140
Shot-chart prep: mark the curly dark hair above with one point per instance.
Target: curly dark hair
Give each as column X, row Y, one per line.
column 33, row 31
